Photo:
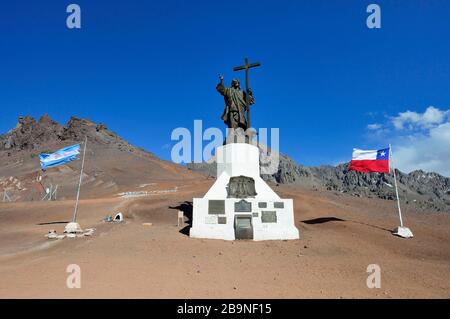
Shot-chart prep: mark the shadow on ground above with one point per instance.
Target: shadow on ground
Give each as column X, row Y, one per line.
column 322, row 220
column 52, row 223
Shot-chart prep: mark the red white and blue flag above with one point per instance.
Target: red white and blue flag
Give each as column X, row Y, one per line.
column 370, row 160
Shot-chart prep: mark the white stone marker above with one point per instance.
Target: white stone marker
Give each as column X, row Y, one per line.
column 263, row 217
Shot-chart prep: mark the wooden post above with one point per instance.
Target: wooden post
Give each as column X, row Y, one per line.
column 180, row 218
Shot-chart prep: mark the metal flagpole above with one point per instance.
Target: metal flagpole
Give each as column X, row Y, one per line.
column 79, row 184
column 396, row 189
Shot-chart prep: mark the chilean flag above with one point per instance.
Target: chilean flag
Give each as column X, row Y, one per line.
column 370, row 161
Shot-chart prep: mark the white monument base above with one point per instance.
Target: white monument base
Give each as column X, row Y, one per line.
column 263, row 217
column 73, row 228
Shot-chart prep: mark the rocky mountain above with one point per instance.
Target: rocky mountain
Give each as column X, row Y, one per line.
column 29, row 134
column 426, row 190
column 112, row 164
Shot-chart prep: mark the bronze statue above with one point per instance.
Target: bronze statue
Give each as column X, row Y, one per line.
column 237, row 102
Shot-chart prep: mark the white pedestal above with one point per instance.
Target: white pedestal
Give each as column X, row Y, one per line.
column 269, row 216
column 73, row 228
column 404, row 232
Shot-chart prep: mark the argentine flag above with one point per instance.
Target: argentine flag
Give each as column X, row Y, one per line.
column 59, row 157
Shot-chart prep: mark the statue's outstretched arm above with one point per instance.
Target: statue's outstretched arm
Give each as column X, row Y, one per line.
column 221, row 86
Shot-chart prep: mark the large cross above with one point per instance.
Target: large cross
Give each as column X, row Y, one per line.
column 246, row 67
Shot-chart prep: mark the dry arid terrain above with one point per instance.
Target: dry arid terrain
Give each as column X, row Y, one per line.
column 340, row 235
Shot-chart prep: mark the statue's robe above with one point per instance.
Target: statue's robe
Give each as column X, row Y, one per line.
column 235, row 106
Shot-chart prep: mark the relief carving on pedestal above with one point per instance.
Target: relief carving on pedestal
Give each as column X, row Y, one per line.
column 241, row 187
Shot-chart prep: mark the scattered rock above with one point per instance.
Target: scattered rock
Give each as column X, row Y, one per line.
column 52, row 234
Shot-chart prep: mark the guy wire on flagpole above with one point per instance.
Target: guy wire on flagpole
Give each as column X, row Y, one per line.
column 396, row 189
column 79, row 184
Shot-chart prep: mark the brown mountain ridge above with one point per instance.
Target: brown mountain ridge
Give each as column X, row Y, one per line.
column 112, row 164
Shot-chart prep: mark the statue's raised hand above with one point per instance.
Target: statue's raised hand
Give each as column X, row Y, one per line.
column 220, row 77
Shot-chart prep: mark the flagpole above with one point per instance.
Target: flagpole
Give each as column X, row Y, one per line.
column 79, row 184
column 396, row 189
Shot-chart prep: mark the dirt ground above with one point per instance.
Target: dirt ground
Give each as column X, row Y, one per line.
column 339, row 237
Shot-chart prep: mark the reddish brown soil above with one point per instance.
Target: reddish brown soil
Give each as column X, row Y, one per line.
column 340, row 237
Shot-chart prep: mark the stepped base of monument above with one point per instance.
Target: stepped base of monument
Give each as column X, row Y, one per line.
column 249, row 218
column 211, row 232
column 240, row 204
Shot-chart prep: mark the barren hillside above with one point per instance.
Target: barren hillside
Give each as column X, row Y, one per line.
column 112, row 164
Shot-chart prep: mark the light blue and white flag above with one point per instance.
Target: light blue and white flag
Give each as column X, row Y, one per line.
column 59, row 157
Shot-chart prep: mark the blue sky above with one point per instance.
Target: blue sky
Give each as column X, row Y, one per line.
column 145, row 68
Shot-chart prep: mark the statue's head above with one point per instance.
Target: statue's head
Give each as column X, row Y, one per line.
column 235, row 83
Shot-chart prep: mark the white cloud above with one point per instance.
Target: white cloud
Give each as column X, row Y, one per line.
column 420, row 140
column 430, row 151
column 374, row 126
column 411, row 120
